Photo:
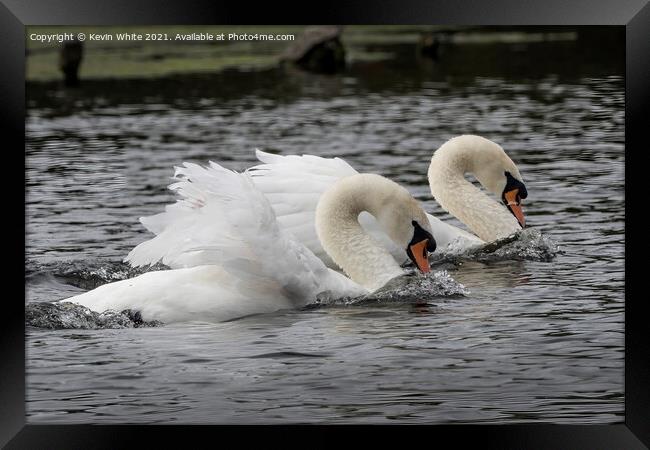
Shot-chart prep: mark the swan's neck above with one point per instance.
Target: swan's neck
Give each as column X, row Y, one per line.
column 487, row 218
column 362, row 258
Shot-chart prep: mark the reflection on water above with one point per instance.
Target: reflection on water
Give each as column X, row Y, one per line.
column 533, row 341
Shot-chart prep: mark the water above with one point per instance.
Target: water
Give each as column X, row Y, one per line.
column 535, row 338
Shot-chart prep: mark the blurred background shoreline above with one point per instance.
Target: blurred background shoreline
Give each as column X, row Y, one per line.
column 562, row 49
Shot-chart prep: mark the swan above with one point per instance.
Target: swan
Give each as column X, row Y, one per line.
column 293, row 184
column 230, row 257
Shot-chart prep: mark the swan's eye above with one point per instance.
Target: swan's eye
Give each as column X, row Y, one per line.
column 420, row 234
column 523, row 193
column 513, row 184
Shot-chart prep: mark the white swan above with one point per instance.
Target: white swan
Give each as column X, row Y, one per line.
column 230, row 257
column 293, row 184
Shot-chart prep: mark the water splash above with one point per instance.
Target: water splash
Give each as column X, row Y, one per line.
column 528, row 244
column 87, row 274
column 413, row 287
column 70, row 315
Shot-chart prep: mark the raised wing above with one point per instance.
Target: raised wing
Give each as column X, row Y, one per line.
column 293, row 185
column 222, row 219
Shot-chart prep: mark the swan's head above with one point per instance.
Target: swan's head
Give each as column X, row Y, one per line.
column 422, row 243
column 406, row 223
column 399, row 215
column 498, row 174
column 491, row 166
column 402, row 219
column 512, row 194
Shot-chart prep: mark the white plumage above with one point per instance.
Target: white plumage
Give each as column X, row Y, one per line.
column 293, row 184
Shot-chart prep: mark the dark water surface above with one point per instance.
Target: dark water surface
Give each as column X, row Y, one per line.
column 532, row 341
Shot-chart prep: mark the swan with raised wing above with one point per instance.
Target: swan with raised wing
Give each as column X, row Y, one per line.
column 231, row 258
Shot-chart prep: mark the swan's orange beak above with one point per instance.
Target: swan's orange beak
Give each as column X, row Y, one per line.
column 514, row 205
column 420, row 255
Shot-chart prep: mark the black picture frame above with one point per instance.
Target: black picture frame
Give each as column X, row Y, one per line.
column 634, row 15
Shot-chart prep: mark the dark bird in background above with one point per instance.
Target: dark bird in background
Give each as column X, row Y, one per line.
column 70, row 60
